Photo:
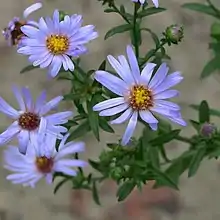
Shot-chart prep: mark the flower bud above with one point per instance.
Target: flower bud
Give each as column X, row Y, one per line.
column 208, row 129
column 173, row 34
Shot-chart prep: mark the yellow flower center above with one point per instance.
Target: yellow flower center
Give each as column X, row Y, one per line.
column 140, row 98
column 57, row 44
column 29, row 121
column 44, row 164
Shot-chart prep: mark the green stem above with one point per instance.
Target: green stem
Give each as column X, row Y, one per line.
column 183, row 139
column 155, row 51
column 214, row 8
column 136, row 46
column 123, row 16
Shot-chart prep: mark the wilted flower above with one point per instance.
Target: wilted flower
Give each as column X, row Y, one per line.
column 155, row 2
column 56, row 41
column 31, row 121
column 208, row 129
column 139, row 93
column 12, row 32
column 42, row 161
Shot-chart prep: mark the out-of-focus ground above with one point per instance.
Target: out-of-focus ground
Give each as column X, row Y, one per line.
column 199, row 196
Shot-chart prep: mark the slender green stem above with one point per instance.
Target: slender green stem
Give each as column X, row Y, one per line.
column 123, row 16
column 183, row 139
column 136, row 46
column 214, row 8
column 155, row 51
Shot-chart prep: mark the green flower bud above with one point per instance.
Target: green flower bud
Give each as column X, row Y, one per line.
column 173, row 34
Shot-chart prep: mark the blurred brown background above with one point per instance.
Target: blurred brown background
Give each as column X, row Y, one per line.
column 199, row 196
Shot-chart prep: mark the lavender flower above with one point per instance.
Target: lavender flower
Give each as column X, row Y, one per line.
column 42, row 161
column 12, row 32
column 139, row 93
column 155, row 2
column 56, row 41
column 31, row 121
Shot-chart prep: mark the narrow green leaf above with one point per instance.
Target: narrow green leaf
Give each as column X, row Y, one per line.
column 117, row 30
column 102, row 65
column 57, row 187
column 95, row 165
column 196, row 160
column 153, row 155
column 162, row 178
column 179, row 166
column 150, row 11
column 73, row 96
column 212, row 111
column 215, row 30
column 105, row 126
column 204, row 115
column 95, row 194
column 205, row 9
column 122, row 9
column 125, row 189
column 28, row 68
column 153, row 35
column 195, row 124
column 80, row 131
column 93, row 118
column 109, row 10
column 212, row 66
column 165, row 138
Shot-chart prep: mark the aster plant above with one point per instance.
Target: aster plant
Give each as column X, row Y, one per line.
column 136, row 90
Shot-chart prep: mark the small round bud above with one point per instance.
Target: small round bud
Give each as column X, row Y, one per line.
column 174, row 34
column 208, row 129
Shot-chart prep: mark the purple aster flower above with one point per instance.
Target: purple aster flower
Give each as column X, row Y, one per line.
column 155, row 2
column 56, row 41
column 31, row 121
column 12, row 32
column 42, row 161
column 139, row 93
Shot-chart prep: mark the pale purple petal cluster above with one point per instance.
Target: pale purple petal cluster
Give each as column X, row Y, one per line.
column 130, row 76
column 155, row 2
column 12, row 32
column 42, row 161
column 32, row 120
column 54, row 42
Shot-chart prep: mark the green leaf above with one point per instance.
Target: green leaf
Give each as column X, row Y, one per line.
column 179, row 166
column 162, row 178
column 150, row 11
column 122, row 9
column 125, row 189
column 153, row 155
column 165, row 138
column 93, row 118
column 109, row 10
column 73, row 96
column 28, row 68
column 95, row 194
column 205, row 9
column 102, row 65
column 212, row 111
column 196, row 160
column 153, row 35
column 117, row 30
column 215, row 30
column 211, row 67
column 95, row 165
column 195, row 124
column 204, row 115
column 105, row 126
column 80, row 131
column 59, row 185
